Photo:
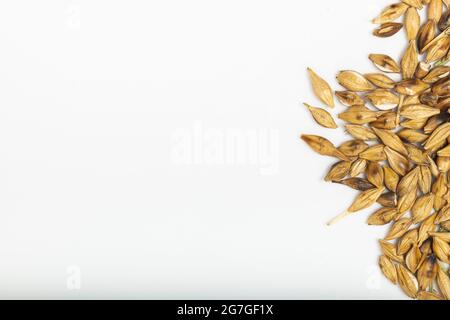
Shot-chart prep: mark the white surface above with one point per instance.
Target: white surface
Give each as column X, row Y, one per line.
column 97, row 100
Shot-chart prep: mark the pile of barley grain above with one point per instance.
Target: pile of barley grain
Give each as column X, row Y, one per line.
column 399, row 157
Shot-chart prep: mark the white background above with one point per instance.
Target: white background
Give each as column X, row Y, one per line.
column 97, row 100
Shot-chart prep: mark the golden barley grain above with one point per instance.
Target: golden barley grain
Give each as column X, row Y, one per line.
column 418, row 111
column 322, row 117
column 391, row 140
column 407, row 281
column 383, row 99
column 412, row 23
column 425, row 295
column 323, row 146
column 353, row 148
column 414, row 3
column 399, row 228
column 338, row 171
column 412, row 259
column 357, row 184
column 406, row 242
column 388, row 269
column 354, row 81
column 391, row 13
column 410, row 61
column 443, row 283
column 358, row 167
column 422, row 208
column 441, row 249
column 382, row 216
column 360, row 132
column 384, row 63
column 374, row 153
column 388, row 29
column 349, row 99
column 426, row 34
column 399, row 157
column 321, row 88
column 380, row 80
column 390, row 251
column 435, row 10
